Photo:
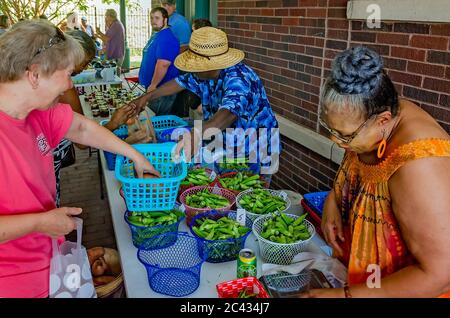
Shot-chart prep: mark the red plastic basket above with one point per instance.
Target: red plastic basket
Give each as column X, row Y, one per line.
column 232, row 288
column 232, row 174
column 315, row 219
column 191, row 212
column 185, row 187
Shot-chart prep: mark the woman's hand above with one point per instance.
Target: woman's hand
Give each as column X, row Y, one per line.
column 58, row 222
column 140, row 103
column 141, row 165
column 121, row 115
column 332, row 224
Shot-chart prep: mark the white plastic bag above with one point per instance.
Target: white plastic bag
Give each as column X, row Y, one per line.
column 70, row 273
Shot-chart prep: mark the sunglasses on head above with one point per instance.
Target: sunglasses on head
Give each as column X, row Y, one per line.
column 57, row 38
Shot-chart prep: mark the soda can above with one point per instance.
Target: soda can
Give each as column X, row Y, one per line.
column 246, row 263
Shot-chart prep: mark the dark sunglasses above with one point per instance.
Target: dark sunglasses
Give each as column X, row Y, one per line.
column 57, row 38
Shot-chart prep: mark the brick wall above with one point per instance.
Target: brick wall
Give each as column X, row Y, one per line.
column 291, row 44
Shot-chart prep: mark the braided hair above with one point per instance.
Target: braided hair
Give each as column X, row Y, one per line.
column 359, row 82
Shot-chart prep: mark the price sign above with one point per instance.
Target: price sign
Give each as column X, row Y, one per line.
column 240, row 217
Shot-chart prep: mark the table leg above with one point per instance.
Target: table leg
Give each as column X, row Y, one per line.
column 100, row 175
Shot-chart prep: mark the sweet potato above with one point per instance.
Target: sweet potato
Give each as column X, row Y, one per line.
column 94, row 253
column 102, row 280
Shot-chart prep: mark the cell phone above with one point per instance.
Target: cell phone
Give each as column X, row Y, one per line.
column 287, row 285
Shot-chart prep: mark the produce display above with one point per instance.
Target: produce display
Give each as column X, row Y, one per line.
column 206, row 199
column 241, row 181
column 222, row 229
column 262, row 202
column 284, row 229
column 197, row 177
column 150, row 219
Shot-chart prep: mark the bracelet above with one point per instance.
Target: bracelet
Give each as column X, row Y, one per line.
column 347, row 291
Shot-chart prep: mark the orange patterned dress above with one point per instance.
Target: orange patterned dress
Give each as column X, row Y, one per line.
column 372, row 234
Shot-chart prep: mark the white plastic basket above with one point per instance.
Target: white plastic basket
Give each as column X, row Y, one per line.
column 277, row 253
column 253, row 216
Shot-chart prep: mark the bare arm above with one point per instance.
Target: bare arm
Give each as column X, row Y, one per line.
column 72, row 98
column 88, row 132
column 167, row 89
column 161, row 68
column 55, row 223
column 421, row 204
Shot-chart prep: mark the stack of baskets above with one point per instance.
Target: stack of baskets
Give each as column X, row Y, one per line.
column 313, row 204
column 168, row 125
column 151, row 195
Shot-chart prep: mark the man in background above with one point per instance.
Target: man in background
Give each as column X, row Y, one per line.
column 87, row 27
column 178, row 23
column 158, row 57
column 114, row 39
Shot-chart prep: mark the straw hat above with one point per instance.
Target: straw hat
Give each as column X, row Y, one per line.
column 208, row 51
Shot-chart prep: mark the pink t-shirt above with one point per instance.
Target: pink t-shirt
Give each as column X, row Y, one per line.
column 27, row 185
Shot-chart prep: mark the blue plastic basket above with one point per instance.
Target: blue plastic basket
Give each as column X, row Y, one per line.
column 316, row 200
column 168, row 122
column 219, row 251
column 172, row 134
column 157, row 194
column 173, row 262
column 122, row 133
column 140, row 234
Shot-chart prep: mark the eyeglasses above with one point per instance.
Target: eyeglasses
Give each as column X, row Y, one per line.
column 338, row 136
column 59, row 37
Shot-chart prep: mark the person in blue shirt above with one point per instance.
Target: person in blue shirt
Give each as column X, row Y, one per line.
column 232, row 96
column 157, row 65
column 178, row 24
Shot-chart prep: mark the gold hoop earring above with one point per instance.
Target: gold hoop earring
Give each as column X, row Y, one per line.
column 382, row 146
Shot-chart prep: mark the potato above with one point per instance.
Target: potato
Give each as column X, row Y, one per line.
column 102, row 280
column 100, row 267
column 94, row 253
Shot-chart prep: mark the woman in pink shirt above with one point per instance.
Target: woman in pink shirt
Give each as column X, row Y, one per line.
column 35, row 69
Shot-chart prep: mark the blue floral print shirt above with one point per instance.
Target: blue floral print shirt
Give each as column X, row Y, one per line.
column 239, row 90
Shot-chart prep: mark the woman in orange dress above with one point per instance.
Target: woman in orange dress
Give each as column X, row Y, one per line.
column 388, row 218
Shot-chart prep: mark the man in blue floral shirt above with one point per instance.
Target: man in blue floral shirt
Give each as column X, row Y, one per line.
column 233, row 98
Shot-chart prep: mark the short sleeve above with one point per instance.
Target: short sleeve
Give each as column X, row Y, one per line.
column 188, row 82
column 236, row 95
column 57, row 121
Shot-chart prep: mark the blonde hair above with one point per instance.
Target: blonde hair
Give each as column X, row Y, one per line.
column 19, row 47
column 111, row 13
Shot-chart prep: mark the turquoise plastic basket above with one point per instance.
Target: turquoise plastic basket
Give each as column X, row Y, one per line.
column 163, row 123
column 151, row 194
